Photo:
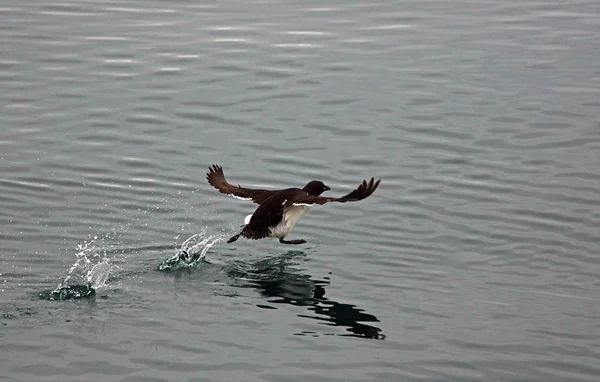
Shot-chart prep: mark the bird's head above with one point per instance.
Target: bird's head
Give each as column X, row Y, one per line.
column 315, row 188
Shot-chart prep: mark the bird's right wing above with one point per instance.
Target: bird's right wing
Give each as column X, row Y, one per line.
column 363, row 191
column 216, row 178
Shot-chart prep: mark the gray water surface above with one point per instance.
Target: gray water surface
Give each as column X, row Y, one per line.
column 477, row 259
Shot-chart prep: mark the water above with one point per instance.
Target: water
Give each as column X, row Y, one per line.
column 475, row 260
column 192, row 252
column 88, row 273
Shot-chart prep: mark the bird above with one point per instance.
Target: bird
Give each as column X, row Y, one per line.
column 279, row 210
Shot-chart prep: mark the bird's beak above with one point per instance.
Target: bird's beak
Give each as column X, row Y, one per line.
column 326, row 189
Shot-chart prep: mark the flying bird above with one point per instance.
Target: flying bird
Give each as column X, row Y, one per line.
column 279, row 210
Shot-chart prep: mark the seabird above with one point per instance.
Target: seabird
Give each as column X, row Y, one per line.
column 279, row 210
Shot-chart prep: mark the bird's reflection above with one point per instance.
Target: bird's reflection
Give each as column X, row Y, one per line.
column 278, row 280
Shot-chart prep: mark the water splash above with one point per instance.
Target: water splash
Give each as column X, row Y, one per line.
column 89, row 272
column 192, row 251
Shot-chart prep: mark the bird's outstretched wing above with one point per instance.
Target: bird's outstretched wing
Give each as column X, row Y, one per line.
column 363, row 191
column 216, row 178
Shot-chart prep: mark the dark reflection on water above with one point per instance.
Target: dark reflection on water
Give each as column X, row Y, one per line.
column 278, row 280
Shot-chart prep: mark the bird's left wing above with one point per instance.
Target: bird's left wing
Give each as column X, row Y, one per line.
column 216, row 178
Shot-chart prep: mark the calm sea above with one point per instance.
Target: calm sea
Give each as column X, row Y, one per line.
column 477, row 259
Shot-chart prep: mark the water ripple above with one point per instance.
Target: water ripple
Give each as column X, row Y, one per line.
column 476, row 259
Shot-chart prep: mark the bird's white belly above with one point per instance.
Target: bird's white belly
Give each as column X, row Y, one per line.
column 291, row 216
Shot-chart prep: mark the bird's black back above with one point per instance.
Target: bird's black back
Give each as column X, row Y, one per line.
column 270, row 213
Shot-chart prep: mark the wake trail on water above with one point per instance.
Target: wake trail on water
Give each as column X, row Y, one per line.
column 191, row 252
column 89, row 272
column 92, row 268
